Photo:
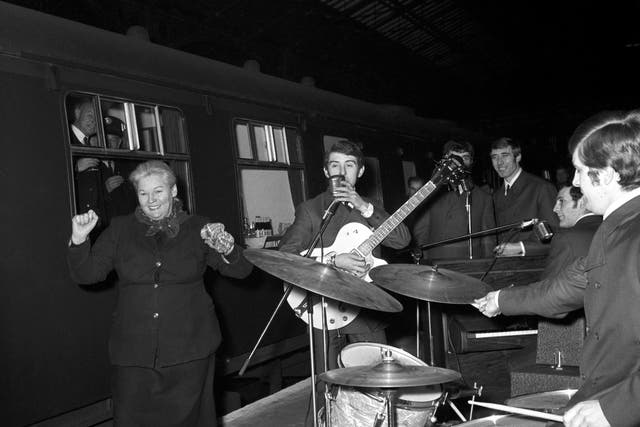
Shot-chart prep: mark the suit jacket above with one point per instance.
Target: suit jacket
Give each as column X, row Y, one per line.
column 445, row 216
column 607, row 283
column 530, row 197
column 568, row 244
column 164, row 315
column 307, row 224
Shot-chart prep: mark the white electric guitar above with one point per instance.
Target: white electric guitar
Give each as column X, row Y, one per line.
column 358, row 238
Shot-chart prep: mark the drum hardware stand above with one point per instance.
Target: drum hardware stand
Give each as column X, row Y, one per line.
column 326, row 218
column 417, row 256
column 390, row 406
column 444, row 398
column 473, row 399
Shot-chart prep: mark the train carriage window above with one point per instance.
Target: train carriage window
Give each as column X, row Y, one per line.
column 109, row 137
column 262, row 143
column 114, row 122
column 271, row 173
column 243, row 141
column 147, row 127
column 172, row 131
column 294, row 144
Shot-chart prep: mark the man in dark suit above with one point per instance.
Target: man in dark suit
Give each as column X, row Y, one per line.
column 577, row 227
column 446, row 215
column 522, row 196
column 99, row 185
column 606, row 282
column 344, row 158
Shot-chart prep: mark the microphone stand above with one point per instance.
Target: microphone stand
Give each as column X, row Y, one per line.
column 326, row 218
column 522, row 225
column 468, row 206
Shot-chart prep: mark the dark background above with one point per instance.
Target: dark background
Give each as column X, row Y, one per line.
column 527, row 69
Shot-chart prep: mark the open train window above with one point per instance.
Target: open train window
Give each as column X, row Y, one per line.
column 109, row 137
column 271, row 176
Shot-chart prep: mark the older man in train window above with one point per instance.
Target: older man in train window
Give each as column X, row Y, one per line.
column 99, row 185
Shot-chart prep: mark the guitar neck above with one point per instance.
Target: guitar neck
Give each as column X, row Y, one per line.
column 395, row 219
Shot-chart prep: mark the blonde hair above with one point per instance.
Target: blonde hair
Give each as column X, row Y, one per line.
column 153, row 167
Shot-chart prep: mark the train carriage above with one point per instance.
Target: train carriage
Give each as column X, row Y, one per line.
column 244, row 144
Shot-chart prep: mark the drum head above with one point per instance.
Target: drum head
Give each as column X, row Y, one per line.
column 505, row 421
column 370, row 353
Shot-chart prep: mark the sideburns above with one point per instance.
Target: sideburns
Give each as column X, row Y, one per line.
column 593, row 175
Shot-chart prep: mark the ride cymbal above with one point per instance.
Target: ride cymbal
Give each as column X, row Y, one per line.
column 322, row 279
column 429, row 283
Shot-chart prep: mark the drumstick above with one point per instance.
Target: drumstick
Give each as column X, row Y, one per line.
column 521, row 411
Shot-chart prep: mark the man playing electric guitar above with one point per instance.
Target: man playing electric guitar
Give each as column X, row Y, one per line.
column 344, row 158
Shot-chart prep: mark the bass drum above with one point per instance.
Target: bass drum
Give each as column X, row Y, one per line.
column 504, row 421
column 415, row 406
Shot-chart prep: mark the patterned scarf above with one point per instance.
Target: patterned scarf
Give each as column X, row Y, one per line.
column 170, row 224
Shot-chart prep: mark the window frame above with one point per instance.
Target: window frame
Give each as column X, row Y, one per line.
column 289, row 165
column 132, row 152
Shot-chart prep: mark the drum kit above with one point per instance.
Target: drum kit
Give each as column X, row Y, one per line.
column 380, row 385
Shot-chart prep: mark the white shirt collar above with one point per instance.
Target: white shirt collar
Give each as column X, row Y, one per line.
column 513, row 180
column 626, row 196
column 78, row 133
column 584, row 216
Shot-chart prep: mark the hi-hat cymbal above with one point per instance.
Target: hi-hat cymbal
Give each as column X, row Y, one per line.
column 429, row 283
column 389, row 374
column 322, row 279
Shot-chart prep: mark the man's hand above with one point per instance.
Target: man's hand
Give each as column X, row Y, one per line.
column 81, row 226
column 347, row 193
column 586, row 414
column 86, row 163
column 113, row 182
column 508, row 249
column 488, row 304
column 352, row 263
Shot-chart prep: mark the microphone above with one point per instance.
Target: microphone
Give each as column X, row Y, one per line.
column 542, row 231
column 540, row 228
column 330, row 210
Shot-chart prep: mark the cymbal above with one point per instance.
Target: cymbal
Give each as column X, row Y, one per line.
column 548, row 401
column 322, row 279
column 389, row 374
column 429, row 283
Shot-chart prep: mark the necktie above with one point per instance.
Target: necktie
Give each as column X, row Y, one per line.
column 506, row 188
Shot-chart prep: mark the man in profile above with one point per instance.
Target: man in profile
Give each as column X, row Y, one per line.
column 577, row 227
column 522, row 196
column 446, row 215
column 344, row 158
column 606, row 282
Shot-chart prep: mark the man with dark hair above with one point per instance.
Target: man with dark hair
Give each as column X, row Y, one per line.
column 446, row 215
column 522, row 196
column 577, row 227
column 606, row 282
column 344, row 158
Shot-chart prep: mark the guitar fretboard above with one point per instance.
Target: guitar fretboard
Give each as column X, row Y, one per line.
column 395, row 219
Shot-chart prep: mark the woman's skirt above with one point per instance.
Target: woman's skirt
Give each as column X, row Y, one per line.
column 177, row 396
